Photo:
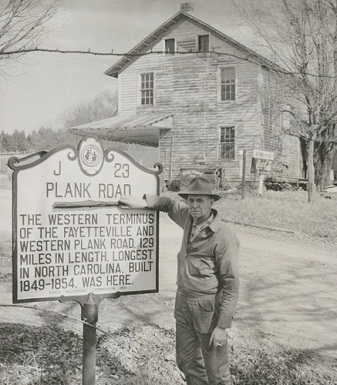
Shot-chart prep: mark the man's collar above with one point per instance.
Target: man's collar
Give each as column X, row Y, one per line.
column 204, row 223
column 214, row 226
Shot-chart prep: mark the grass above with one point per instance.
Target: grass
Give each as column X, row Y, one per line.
column 49, row 355
column 290, row 210
column 287, row 210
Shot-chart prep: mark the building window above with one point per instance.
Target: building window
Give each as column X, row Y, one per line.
column 203, row 43
column 228, row 83
column 169, row 46
column 227, row 143
column 146, row 88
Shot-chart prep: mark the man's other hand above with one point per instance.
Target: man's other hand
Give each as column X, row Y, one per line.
column 218, row 337
column 132, row 202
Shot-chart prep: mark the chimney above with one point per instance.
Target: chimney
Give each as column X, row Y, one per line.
column 187, row 8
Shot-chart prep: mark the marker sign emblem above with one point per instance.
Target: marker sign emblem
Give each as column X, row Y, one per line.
column 91, row 156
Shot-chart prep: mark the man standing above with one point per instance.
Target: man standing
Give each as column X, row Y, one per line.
column 207, row 280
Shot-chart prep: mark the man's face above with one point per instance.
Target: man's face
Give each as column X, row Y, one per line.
column 200, row 207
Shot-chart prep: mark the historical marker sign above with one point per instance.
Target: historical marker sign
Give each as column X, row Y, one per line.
column 70, row 237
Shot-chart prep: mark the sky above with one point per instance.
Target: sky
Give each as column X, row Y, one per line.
column 39, row 88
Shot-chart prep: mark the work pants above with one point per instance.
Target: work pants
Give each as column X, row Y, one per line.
column 202, row 364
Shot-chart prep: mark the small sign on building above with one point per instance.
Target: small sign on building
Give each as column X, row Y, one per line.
column 262, row 161
column 70, row 236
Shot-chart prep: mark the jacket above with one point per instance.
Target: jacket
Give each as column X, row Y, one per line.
column 209, row 265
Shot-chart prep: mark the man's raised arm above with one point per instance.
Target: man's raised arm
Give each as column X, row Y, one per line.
column 132, row 202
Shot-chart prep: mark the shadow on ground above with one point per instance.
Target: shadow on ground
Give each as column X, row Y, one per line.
column 144, row 356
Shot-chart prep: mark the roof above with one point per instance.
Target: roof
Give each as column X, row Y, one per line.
column 152, row 39
column 141, row 129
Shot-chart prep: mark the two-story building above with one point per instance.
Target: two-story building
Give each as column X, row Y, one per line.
column 202, row 99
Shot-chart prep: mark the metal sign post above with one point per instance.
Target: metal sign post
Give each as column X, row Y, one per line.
column 72, row 240
column 90, row 315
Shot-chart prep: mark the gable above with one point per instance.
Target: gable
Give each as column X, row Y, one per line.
column 186, row 40
column 187, row 45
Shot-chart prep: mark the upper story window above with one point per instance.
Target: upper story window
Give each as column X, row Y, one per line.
column 203, row 43
column 228, row 83
column 169, row 46
column 227, row 143
column 147, row 88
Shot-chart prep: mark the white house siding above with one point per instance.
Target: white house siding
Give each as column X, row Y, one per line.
column 187, row 86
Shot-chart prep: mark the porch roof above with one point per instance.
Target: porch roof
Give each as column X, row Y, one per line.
column 141, row 129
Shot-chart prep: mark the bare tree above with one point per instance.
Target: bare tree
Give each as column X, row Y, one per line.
column 24, row 24
column 301, row 36
column 105, row 105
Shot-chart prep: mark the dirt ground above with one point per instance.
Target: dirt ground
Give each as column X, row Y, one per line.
column 288, row 294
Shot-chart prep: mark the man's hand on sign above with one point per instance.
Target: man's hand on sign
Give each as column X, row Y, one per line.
column 132, row 202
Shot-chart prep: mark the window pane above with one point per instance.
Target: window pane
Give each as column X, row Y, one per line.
column 232, row 91
column 203, row 43
column 169, row 45
column 146, row 88
column 147, row 97
column 227, row 143
column 228, row 83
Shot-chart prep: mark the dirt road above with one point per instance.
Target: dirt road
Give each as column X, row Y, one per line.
column 288, row 289
column 288, row 292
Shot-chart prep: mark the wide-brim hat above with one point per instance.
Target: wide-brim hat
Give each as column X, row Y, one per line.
column 199, row 186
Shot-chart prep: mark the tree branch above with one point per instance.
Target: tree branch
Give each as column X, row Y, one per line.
column 90, row 52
